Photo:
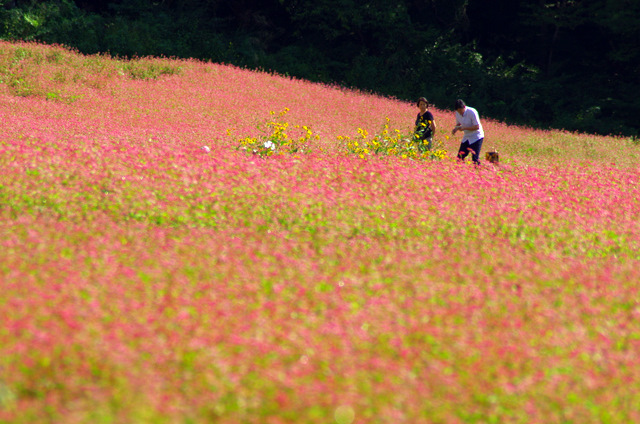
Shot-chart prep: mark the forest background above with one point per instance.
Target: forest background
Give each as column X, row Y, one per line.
column 572, row 64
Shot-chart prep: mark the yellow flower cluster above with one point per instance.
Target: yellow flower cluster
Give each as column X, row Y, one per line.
column 391, row 143
column 277, row 137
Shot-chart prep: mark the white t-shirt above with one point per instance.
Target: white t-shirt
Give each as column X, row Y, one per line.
column 470, row 118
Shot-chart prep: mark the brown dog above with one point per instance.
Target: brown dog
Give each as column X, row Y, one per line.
column 493, row 157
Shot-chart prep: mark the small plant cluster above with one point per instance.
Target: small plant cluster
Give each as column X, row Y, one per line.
column 278, row 136
column 392, row 143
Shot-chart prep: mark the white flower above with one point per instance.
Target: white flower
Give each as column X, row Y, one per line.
column 206, row 149
column 269, row 145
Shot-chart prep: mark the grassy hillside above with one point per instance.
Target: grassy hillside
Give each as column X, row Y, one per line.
column 148, row 280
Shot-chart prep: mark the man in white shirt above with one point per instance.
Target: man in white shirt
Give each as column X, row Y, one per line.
column 467, row 120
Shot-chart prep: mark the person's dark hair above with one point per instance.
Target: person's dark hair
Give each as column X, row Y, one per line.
column 460, row 104
column 422, row 99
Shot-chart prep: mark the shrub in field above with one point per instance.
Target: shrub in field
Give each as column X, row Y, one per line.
column 277, row 137
column 391, row 143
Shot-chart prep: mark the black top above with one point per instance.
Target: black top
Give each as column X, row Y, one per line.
column 423, row 126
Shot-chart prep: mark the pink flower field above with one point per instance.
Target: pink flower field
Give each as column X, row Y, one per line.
column 147, row 280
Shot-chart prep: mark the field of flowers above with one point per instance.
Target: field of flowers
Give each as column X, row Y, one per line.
column 145, row 279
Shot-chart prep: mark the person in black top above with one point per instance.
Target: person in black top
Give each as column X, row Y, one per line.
column 425, row 126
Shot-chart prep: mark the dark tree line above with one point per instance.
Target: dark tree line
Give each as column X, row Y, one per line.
column 573, row 64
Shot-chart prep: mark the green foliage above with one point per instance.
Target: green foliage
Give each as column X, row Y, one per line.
column 145, row 69
column 60, row 22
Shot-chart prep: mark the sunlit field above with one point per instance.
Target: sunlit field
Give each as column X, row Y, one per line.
column 154, row 268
